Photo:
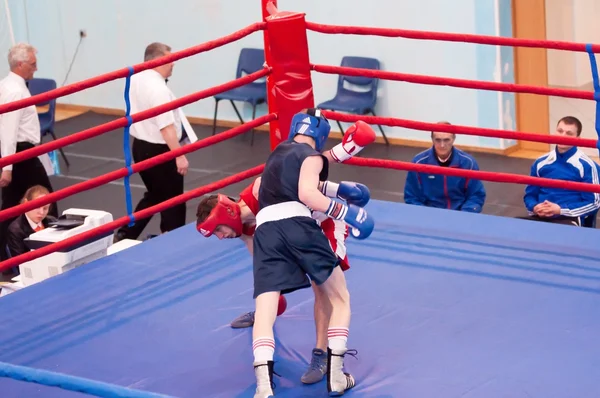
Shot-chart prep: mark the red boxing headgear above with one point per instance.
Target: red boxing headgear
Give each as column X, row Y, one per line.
column 227, row 213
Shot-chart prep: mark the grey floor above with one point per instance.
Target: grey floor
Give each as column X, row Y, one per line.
column 103, row 154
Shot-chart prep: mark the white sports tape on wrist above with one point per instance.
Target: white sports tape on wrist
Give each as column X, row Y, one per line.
column 337, row 210
column 330, row 189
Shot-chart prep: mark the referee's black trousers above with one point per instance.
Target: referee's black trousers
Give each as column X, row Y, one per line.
column 162, row 182
column 25, row 175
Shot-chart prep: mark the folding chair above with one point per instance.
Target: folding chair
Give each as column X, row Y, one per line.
column 39, row 86
column 361, row 101
column 251, row 60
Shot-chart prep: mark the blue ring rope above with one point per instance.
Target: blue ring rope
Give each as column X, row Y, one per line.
column 596, row 81
column 127, row 149
column 71, row 383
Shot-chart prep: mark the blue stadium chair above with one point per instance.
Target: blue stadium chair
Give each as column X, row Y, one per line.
column 9, row 255
column 360, row 102
column 15, row 270
column 39, row 86
column 255, row 93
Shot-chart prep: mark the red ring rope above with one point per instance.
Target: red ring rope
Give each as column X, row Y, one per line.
column 122, row 122
column 454, row 37
column 121, row 73
column 475, row 174
column 137, row 167
column 452, row 82
column 365, row 162
column 84, row 236
column 457, row 129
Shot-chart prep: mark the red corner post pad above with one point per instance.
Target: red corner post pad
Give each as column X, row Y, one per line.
column 290, row 79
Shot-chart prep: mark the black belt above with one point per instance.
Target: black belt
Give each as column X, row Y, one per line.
column 151, row 143
column 21, row 146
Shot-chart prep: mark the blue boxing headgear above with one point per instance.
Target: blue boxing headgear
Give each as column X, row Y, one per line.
column 313, row 124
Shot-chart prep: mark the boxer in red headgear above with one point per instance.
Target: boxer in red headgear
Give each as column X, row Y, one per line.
column 226, row 213
column 226, row 218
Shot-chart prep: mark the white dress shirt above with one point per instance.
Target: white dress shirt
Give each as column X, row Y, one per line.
column 148, row 90
column 33, row 225
column 22, row 125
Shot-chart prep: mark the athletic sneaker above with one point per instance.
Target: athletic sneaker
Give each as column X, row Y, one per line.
column 243, row 321
column 317, row 368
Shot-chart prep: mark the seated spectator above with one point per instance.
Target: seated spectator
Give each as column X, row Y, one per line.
column 446, row 192
column 565, row 163
column 26, row 224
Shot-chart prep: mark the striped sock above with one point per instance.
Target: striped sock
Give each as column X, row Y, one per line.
column 263, row 348
column 337, row 338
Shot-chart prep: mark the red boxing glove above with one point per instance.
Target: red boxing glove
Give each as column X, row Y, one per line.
column 358, row 136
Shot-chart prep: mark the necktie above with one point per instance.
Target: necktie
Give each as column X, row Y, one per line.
column 39, row 228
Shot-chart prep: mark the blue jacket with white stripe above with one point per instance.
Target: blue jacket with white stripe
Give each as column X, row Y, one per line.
column 446, row 192
column 573, row 165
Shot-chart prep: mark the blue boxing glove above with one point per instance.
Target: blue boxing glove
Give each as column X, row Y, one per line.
column 356, row 217
column 352, row 192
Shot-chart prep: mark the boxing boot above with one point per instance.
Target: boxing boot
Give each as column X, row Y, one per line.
column 338, row 381
column 264, row 379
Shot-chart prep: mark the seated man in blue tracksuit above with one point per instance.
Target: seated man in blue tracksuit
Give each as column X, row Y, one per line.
column 446, row 192
column 565, row 163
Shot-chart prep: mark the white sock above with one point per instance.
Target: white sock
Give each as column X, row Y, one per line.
column 338, row 337
column 263, row 348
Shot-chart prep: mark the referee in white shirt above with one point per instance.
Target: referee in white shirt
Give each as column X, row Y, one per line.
column 19, row 131
column 153, row 137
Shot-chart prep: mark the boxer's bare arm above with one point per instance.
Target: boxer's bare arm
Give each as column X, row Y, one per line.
column 327, row 154
column 249, row 241
column 246, row 214
column 256, row 187
column 309, row 184
column 249, row 218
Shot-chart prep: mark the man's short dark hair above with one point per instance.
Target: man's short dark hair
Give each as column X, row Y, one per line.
column 155, row 50
column 205, row 207
column 207, row 203
column 572, row 121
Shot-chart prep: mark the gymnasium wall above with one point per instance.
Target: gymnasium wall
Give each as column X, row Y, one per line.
column 118, row 31
column 576, row 21
column 571, row 20
column 6, row 36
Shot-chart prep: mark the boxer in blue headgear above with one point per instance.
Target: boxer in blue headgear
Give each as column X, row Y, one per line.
column 290, row 249
column 313, row 124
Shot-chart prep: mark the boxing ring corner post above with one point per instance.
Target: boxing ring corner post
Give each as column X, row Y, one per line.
column 269, row 7
column 286, row 53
